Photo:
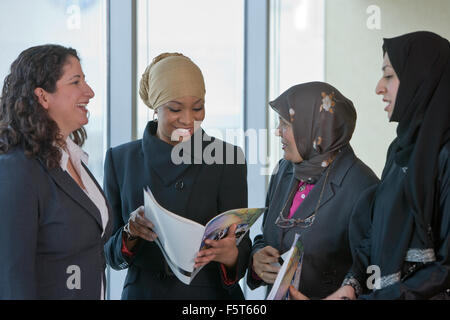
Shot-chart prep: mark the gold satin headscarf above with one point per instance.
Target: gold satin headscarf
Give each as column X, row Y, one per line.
column 168, row 77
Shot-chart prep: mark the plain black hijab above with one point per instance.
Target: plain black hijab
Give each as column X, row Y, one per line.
column 422, row 109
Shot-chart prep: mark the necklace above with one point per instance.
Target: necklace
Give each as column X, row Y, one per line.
column 284, row 223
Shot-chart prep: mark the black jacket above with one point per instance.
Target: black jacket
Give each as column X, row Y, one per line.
column 195, row 191
column 326, row 242
column 429, row 280
column 50, row 231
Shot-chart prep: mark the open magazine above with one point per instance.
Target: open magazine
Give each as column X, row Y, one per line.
column 290, row 271
column 180, row 239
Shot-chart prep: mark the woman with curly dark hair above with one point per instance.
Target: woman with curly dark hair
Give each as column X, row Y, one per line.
column 55, row 218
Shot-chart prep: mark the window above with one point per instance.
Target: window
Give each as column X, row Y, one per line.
column 77, row 24
column 211, row 33
column 354, row 36
column 297, row 44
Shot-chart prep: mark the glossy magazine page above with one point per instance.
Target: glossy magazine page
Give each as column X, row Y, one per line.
column 180, row 239
column 289, row 273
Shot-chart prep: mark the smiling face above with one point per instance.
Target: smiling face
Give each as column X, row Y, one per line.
column 285, row 132
column 67, row 105
column 177, row 117
column 388, row 86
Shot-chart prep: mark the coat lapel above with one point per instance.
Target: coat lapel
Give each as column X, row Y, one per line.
column 157, row 157
column 280, row 201
column 339, row 169
column 286, row 196
column 166, row 160
column 108, row 228
column 308, row 206
column 71, row 188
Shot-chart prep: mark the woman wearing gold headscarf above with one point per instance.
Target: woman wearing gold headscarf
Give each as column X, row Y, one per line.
column 183, row 180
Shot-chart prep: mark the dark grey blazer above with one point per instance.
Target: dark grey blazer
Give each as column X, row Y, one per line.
column 326, row 242
column 51, row 242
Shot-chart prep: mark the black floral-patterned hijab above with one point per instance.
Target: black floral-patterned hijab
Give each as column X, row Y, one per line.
column 323, row 121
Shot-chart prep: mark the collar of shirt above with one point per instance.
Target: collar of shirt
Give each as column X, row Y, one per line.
column 75, row 153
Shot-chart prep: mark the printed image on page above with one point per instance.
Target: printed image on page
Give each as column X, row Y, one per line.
column 289, row 273
column 217, row 228
column 178, row 238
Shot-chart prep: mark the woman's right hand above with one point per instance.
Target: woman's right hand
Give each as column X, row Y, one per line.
column 140, row 226
column 263, row 261
column 343, row 293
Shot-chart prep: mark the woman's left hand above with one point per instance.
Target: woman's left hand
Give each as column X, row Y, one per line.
column 223, row 251
column 296, row 295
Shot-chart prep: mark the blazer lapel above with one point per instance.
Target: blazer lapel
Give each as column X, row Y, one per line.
column 338, row 170
column 280, row 201
column 286, row 196
column 108, row 228
column 71, row 188
column 309, row 205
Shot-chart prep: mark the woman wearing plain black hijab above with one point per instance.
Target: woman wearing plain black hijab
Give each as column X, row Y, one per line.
column 409, row 237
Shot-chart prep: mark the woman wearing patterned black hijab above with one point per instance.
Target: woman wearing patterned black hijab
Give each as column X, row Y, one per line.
column 410, row 232
column 313, row 192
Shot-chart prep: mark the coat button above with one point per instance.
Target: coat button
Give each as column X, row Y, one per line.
column 179, row 185
column 161, row 275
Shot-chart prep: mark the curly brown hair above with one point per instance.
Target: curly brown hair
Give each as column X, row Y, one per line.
column 23, row 121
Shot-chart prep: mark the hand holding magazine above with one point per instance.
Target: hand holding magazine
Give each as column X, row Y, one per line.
column 289, row 273
column 180, row 239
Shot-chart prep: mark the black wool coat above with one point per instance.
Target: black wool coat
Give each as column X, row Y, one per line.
column 195, row 191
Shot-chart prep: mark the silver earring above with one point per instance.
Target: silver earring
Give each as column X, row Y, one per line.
column 154, row 117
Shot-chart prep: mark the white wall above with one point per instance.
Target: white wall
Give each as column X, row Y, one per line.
column 354, row 57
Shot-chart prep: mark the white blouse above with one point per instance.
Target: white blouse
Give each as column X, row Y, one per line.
column 77, row 155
